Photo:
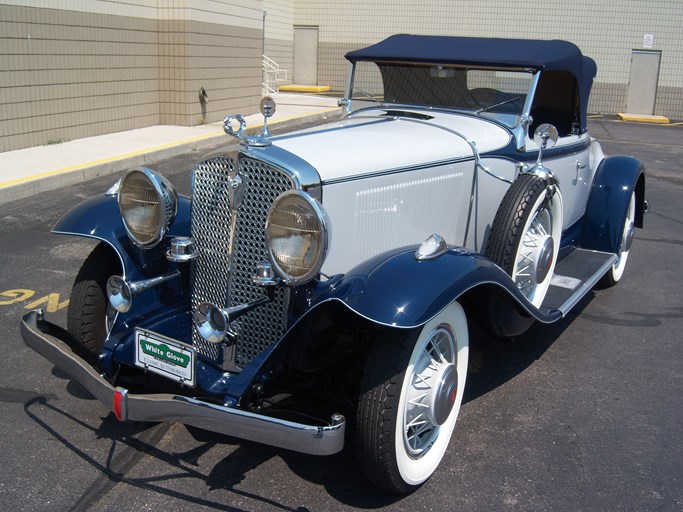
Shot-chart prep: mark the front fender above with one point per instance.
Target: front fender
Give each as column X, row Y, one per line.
column 395, row 289
column 616, row 179
column 98, row 217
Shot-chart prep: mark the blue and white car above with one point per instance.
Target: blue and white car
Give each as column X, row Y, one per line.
column 330, row 275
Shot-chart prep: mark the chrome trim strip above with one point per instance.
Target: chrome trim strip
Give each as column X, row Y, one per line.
column 398, row 170
column 311, row 439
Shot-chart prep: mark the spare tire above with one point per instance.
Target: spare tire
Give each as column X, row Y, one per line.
column 525, row 235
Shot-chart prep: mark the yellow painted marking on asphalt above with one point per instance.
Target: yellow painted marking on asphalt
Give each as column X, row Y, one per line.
column 52, row 303
column 148, row 150
column 15, row 295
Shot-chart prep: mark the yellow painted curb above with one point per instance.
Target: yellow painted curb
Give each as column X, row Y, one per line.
column 642, row 118
column 305, row 88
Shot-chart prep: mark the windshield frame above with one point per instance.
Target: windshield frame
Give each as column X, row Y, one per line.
column 356, row 98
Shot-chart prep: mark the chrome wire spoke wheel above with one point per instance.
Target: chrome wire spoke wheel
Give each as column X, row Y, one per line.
column 525, row 235
column 411, row 394
column 431, row 390
column 536, row 254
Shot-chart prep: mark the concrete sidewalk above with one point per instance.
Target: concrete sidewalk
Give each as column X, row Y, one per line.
column 29, row 171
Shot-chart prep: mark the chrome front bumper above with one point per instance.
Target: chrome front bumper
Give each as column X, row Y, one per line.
column 314, row 440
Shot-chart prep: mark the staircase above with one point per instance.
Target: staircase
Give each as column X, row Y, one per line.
column 272, row 76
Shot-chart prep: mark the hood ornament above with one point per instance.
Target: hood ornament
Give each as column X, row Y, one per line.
column 261, row 140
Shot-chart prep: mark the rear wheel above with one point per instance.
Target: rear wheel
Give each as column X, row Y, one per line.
column 410, row 398
column 615, row 272
column 90, row 316
column 525, row 235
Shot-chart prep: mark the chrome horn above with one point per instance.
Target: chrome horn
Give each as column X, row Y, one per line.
column 120, row 292
column 213, row 322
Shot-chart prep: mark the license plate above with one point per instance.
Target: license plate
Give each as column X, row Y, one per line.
column 164, row 356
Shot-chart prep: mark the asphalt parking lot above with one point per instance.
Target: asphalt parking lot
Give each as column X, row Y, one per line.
column 585, row 414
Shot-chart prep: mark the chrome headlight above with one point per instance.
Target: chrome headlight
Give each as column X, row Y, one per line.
column 148, row 204
column 296, row 236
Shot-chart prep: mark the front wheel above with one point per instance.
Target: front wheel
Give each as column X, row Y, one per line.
column 410, row 398
column 90, row 315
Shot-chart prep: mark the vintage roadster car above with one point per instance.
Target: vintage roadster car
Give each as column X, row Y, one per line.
column 331, row 274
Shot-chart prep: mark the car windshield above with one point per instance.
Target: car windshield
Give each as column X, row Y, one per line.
column 501, row 93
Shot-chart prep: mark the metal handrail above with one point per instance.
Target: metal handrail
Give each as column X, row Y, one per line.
column 272, row 76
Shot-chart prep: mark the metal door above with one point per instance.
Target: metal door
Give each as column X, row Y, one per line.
column 306, row 55
column 642, row 83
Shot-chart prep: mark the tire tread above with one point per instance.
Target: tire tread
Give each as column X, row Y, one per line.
column 88, row 301
column 512, row 214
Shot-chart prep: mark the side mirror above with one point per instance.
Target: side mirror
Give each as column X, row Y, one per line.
column 545, row 136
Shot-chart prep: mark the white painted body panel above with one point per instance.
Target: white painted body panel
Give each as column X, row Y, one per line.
column 373, row 215
column 368, row 142
column 390, row 182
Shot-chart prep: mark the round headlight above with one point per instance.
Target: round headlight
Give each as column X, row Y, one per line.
column 148, row 204
column 296, row 236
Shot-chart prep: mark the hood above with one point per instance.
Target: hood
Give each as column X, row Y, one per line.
column 386, row 139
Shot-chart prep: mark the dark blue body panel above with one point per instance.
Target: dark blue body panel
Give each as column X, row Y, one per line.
column 164, row 309
column 615, row 181
column 98, row 217
column 396, row 289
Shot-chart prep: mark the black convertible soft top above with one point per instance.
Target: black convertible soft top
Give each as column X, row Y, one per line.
column 533, row 54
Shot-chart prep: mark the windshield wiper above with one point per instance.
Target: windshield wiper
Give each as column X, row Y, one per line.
column 509, row 100
column 367, row 94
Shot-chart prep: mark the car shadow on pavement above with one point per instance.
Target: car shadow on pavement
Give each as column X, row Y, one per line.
column 495, row 361
column 213, row 479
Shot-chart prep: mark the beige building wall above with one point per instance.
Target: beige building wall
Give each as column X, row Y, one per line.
column 279, row 33
column 87, row 67
column 606, row 31
column 76, row 68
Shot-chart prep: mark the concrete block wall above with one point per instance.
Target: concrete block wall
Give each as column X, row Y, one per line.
column 279, row 40
column 86, row 67
column 68, row 74
column 77, row 68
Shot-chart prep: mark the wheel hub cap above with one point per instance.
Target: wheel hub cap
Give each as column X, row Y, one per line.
column 629, row 233
column 544, row 259
column 444, row 394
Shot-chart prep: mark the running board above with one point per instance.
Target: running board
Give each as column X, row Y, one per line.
column 575, row 275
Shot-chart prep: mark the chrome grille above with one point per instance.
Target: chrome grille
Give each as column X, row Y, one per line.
column 211, row 226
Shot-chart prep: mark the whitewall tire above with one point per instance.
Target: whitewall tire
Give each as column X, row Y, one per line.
column 616, row 271
column 410, row 399
column 525, row 235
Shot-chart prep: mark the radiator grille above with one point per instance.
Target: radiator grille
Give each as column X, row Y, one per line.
column 211, row 225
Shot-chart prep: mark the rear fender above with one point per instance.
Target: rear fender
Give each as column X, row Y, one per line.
column 615, row 180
